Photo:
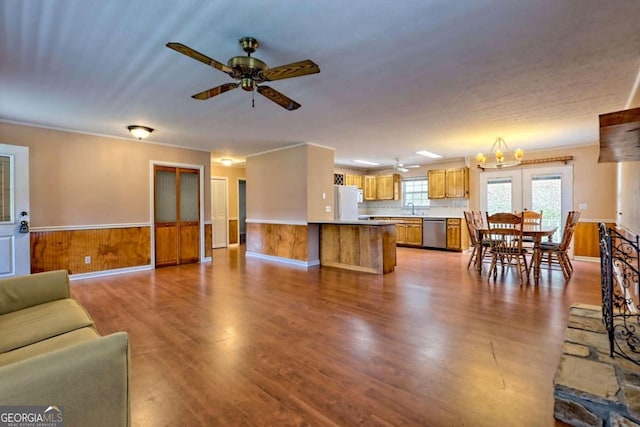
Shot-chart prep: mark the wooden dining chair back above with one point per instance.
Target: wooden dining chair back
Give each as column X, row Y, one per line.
column 530, row 218
column 479, row 247
column 478, row 219
column 505, row 239
column 557, row 254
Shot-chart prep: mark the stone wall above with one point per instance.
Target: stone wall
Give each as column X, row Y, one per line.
column 590, row 387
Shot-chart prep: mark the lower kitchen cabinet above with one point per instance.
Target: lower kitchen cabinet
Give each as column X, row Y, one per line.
column 457, row 235
column 408, row 231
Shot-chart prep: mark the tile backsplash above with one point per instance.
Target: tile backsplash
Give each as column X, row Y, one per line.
column 438, row 207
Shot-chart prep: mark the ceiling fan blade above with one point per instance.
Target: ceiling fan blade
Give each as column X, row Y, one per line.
column 295, row 69
column 278, row 98
column 210, row 93
column 411, row 166
column 186, row 50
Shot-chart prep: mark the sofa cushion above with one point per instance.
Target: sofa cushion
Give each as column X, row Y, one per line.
column 48, row 345
column 37, row 323
column 21, row 292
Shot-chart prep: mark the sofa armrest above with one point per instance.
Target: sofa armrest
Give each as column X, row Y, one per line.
column 21, row 292
column 89, row 380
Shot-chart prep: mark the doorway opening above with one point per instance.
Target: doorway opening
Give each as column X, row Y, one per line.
column 242, row 210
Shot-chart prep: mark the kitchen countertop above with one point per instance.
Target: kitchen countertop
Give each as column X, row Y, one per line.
column 410, row 216
column 355, row 222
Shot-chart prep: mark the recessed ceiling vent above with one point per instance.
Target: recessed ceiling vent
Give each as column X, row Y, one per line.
column 620, row 136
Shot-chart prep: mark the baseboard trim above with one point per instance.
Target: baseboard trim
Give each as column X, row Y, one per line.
column 586, row 258
column 281, row 260
column 113, row 272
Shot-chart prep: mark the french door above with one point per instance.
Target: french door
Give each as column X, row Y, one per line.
column 548, row 189
column 177, row 215
column 15, row 258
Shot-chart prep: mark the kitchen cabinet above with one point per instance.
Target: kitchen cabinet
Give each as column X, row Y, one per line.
column 437, row 183
column 408, row 230
column 449, row 183
column 388, row 187
column 354, row 180
column 457, row 183
column 382, row 187
column 369, row 187
column 457, row 235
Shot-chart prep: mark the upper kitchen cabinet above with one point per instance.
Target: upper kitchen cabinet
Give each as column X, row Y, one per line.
column 437, row 184
column 354, row 180
column 382, row 187
column 450, row 183
column 388, row 187
column 370, row 189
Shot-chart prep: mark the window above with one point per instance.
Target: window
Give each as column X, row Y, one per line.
column 415, row 191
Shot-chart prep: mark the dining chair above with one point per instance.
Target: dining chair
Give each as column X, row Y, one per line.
column 479, row 246
column 558, row 253
column 531, row 218
column 505, row 239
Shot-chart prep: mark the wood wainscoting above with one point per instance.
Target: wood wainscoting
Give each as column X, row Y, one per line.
column 109, row 249
column 278, row 240
column 233, row 231
column 586, row 241
column 208, row 240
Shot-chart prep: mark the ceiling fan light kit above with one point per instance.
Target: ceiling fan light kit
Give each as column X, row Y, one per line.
column 501, row 152
column 140, row 132
column 250, row 72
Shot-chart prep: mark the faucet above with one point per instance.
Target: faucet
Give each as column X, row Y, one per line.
column 413, row 208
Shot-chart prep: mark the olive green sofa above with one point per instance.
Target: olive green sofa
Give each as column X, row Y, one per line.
column 51, row 354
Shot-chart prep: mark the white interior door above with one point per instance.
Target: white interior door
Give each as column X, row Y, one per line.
column 219, row 211
column 15, row 258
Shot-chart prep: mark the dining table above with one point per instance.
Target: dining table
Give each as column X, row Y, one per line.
column 537, row 232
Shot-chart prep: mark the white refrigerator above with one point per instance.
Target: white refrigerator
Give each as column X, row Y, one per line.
column 346, row 202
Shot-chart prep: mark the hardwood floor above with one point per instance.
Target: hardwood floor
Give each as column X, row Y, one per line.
column 247, row 342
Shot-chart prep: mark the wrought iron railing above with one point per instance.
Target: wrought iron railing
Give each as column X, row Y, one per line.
column 620, row 263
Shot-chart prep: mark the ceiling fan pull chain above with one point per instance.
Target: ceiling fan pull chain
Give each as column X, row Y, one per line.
column 253, row 99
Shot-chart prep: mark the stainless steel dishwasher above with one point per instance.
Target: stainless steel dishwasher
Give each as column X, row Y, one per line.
column 434, row 233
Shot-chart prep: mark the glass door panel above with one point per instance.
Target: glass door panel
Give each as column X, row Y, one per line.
column 6, row 204
column 189, row 197
column 166, row 196
column 500, row 191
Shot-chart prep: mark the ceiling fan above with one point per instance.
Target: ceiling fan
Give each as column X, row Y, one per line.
column 401, row 167
column 250, row 72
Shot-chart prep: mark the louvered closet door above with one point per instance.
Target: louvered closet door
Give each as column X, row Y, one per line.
column 177, row 221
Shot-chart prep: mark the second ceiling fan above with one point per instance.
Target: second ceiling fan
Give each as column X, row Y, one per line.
column 250, row 72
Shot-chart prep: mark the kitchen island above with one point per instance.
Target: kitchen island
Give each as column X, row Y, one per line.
column 367, row 246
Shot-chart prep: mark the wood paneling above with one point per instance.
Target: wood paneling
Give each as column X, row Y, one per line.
column 166, row 240
column 109, row 248
column 281, row 240
column 243, row 342
column 208, row 240
column 233, row 231
column 366, row 248
column 619, row 136
column 586, row 241
column 189, row 242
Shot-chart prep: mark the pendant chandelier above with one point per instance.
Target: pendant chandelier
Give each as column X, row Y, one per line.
column 502, row 154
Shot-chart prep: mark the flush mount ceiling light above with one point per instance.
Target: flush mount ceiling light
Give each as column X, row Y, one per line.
column 429, row 154
column 366, row 162
column 226, row 162
column 140, row 132
column 503, row 155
